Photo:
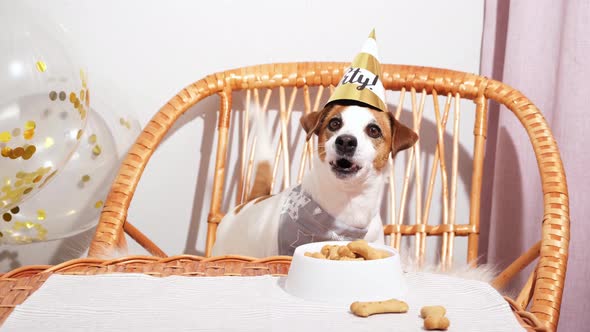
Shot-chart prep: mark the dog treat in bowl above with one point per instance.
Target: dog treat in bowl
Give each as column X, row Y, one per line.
column 344, row 252
column 363, row 249
column 365, row 309
column 319, row 272
column 330, row 252
column 355, row 250
column 315, row 255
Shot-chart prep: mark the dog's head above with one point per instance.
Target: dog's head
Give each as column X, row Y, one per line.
column 356, row 141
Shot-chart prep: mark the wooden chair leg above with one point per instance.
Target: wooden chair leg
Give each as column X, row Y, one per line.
column 143, row 240
column 524, row 297
column 518, row 265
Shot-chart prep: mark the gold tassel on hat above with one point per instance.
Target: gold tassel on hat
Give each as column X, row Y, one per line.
column 361, row 82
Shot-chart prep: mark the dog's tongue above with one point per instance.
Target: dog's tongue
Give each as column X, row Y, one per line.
column 343, row 163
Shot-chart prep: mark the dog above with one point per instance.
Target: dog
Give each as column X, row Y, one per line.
column 341, row 193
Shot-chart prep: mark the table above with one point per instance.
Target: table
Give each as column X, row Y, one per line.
column 103, row 295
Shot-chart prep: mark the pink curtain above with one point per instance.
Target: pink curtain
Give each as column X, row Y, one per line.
column 541, row 48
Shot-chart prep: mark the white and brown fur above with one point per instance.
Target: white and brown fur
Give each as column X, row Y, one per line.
column 352, row 194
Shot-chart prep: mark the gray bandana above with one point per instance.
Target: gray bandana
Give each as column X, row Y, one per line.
column 303, row 221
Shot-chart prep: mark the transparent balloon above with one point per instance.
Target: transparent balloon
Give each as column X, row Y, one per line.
column 44, row 103
column 73, row 201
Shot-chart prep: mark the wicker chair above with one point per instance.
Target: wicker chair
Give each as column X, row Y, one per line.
column 543, row 290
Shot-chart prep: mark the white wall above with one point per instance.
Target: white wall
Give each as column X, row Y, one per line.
column 143, row 52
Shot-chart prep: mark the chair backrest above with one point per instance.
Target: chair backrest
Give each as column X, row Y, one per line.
column 417, row 179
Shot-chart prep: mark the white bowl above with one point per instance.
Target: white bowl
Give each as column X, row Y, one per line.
column 343, row 282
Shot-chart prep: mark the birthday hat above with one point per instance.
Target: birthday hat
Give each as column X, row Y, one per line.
column 361, row 80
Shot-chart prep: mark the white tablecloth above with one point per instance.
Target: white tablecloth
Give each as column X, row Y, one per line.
column 137, row 302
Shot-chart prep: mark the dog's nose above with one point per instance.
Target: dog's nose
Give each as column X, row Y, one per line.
column 346, row 144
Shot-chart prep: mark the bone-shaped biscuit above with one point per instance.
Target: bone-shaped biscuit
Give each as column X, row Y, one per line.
column 330, row 252
column 344, row 258
column 365, row 309
column 433, row 310
column 436, row 323
column 362, row 248
column 343, row 251
column 434, row 317
column 314, row 255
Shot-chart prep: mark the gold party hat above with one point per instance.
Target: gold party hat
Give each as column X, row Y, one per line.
column 361, row 80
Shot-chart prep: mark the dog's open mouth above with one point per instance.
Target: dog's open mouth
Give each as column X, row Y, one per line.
column 344, row 167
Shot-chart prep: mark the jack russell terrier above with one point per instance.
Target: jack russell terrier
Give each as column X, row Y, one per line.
column 338, row 199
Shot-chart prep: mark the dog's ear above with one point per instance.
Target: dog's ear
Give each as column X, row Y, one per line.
column 402, row 136
column 311, row 122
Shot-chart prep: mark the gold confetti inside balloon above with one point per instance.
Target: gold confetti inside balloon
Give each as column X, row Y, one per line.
column 38, row 125
column 72, row 202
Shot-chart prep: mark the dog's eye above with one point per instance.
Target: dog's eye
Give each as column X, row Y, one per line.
column 373, row 131
column 334, row 124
